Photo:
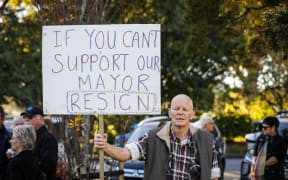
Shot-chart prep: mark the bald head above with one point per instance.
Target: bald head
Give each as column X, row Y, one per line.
column 181, row 111
column 183, row 98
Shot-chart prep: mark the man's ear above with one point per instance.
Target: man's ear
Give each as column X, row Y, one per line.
column 168, row 110
column 192, row 115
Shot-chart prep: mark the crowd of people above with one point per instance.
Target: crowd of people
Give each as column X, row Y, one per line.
column 176, row 150
column 30, row 152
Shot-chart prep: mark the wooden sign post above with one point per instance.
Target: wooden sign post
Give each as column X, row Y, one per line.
column 101, row 152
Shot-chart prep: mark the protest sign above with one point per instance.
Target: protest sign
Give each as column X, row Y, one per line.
column 103, row 69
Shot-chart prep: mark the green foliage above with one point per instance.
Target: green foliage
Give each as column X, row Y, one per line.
column 275, row 28
column 20, row 59
column 202, row 43
column 232, row 126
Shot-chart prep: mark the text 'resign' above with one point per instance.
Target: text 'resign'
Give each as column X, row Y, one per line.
column 103, row 69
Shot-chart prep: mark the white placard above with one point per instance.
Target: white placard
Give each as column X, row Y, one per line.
column 103, row 69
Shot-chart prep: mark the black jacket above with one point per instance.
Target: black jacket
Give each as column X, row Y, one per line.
column 156, row 164
column 46, row 152
column 5, row 136
column 276, row 147
column 22, row 167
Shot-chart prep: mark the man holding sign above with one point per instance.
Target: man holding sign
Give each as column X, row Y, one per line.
column 174, row 151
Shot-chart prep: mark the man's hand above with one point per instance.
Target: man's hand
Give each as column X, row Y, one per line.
column 100, row 141
column 118, row 153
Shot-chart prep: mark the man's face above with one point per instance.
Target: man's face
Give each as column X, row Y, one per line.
column 181, row 111
column 209, row 126
column 35, row 120
column 268, row 130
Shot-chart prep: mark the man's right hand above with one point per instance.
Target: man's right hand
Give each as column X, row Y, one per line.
column 100, row 141
column 118, row 153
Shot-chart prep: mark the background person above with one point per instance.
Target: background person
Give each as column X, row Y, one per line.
column 269, row 153
column 46, row 148
column 207, row 124
column 176, row 150
column 48, row 123
column 22, row 165
column 18, row 120
column 5, row 136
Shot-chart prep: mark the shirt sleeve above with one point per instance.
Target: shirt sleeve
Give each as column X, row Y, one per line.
column 215, row 171
column 138, row 149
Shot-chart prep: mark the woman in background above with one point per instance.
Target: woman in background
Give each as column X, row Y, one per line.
column 22, row 165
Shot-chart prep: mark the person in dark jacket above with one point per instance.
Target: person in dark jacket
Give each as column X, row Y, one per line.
column 269, row 153
column 46, row 148
column 5, row 136
column 22, row 165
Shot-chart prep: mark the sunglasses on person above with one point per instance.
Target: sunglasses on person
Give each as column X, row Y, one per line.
column 266, row 127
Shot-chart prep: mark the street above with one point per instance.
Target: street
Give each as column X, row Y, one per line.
column 232, row 171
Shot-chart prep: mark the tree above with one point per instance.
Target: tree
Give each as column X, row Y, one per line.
column 19, row 55
column 259, row 57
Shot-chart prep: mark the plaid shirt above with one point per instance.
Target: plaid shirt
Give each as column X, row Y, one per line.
column 183, row 158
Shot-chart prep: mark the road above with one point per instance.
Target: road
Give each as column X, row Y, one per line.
column 232, row 171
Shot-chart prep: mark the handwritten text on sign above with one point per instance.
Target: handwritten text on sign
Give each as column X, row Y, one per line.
column 104, row 69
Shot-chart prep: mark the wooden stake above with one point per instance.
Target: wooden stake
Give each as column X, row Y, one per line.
column 101, row 152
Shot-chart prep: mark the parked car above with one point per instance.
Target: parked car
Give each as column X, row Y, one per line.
column 135, row 169
column 121, row 139
column 251, row 140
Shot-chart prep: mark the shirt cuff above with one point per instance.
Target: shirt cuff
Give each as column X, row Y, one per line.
column 134, row 151
column 215, row 172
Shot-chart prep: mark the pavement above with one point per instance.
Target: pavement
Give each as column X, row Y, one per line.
column 231, row 175
column 232, row 170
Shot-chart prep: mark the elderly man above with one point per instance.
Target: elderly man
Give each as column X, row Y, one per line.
column 175, row 151
column 46, row 148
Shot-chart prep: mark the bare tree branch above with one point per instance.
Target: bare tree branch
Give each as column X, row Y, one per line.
column 3, row 6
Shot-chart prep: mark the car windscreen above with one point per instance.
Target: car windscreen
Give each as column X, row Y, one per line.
column 140, row 131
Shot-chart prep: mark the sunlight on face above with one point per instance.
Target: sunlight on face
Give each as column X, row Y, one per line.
column 181, row 111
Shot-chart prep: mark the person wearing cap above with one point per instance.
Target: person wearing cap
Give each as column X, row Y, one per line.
column 5, row 136
column 46, row 149
column 269, row 152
